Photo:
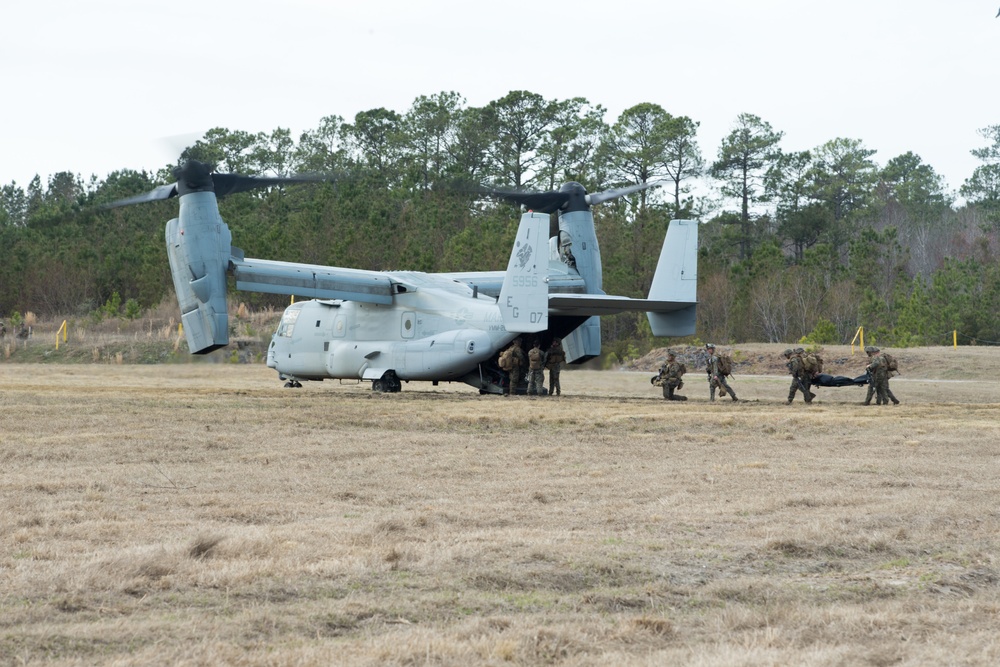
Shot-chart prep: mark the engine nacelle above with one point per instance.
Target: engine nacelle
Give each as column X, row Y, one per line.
column 199, row 246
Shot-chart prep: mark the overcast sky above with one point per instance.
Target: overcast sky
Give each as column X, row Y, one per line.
column 97, row 86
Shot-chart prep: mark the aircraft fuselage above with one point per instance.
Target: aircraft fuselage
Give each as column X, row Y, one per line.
column 436, row 329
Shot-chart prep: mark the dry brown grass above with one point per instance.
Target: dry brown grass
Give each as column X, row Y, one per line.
column 202, row 515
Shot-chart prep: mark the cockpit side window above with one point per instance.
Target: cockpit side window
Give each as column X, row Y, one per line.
column 288, row 321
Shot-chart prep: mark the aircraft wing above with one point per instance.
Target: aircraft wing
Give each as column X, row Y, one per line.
column 490, row 282
column 312, row 281
column 586, row 305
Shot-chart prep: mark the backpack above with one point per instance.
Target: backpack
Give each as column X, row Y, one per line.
column 506, row 359
column 725, row 364
column 890, row 362
column 681, row 369
column 813, row 363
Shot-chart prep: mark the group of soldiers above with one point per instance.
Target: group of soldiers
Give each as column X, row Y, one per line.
column 23, row 332
column 879, row 369
column 801, row 367
column 534, row 362
column 672, row 373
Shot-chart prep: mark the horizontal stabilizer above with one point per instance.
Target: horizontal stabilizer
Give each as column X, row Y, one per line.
column 603, row 304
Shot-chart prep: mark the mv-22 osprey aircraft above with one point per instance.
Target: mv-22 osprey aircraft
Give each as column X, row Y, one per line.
column 390, row 327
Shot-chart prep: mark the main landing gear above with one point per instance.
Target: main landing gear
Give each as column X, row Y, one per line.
column 387, row 384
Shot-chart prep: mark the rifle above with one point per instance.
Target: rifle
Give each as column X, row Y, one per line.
column 716, row 381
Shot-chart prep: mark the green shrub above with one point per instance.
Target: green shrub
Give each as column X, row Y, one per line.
column 132, row 309
column 824, row 333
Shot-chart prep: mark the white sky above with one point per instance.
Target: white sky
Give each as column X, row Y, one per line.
column 93, row 87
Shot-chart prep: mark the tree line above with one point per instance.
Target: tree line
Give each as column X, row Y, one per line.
column 793, row 245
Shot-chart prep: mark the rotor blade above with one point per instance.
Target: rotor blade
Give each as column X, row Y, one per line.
column 607, row 195
column 161, row 192
column 228, row 184
column 540, row 202
column 196, row 176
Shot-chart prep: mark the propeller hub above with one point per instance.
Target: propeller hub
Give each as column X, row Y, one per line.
column 575, row 197
column 194, row 176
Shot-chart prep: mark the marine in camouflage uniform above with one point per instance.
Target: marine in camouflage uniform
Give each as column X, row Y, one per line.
column 716, row 380
column 888, row 390
column 554, row 359
column 536, row 370
column 670, row 378
column 801, row 380
column 517, row 364
column 878, row 384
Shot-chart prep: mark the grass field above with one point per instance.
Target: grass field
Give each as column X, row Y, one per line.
column 199, row 514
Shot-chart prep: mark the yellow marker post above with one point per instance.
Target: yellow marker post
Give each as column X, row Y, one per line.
column 62, row 330
column 954, row 338
column 860, row 332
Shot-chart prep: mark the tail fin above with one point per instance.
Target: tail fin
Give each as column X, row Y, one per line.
column 676, row 279
column 524, row 297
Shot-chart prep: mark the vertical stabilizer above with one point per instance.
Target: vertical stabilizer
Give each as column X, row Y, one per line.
column 524, row 297
column 676, row 279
